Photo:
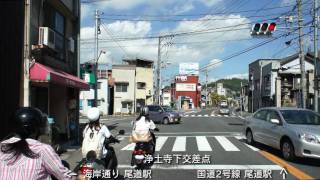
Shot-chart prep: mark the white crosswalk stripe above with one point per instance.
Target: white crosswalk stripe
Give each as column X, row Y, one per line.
column 160, row 142
column 180, row 144
column 249, row 146
column 199, row 115
column 226, row 144
column 203, row 144
column 206, row 115
column 129, row 147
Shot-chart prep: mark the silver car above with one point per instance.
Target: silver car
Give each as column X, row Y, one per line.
column 294, row 131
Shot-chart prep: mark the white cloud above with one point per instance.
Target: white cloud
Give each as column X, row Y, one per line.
column 210, row 2
column 288, row 2
column 182, row 50
column 214, row 63
column 240, row 76
column 183, row 8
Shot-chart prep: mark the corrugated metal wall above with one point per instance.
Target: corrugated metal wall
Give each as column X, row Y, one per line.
column 11, row 55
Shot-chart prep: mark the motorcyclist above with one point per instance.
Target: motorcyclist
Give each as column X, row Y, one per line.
column 144, row 124
column 94, row 125
column 24, row 157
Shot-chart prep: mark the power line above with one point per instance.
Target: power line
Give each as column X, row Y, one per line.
column 110, row 34
column 201, row 14
column 247, row 50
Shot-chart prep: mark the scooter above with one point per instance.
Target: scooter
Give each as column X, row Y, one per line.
column 142, row 151
column 92, row 163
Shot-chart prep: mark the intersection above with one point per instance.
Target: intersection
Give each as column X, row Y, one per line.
column 205, row 134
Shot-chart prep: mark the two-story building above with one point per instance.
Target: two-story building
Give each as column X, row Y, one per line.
column 133, row 85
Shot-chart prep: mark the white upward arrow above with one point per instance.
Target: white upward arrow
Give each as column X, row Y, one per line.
column 284, row 173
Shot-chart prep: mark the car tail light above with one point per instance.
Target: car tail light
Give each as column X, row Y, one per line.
column 138, row 152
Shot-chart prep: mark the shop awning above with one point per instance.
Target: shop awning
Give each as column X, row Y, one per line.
column 42, row 73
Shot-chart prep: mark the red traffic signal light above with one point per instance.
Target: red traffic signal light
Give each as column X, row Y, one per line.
column 272, row 27
column 263, row 28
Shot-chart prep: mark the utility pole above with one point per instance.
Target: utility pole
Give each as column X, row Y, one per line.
column 301, row 55
column 26, row 54
column 206, row 87
column 241, row 99
column 157, row 98
column 315, row 19
column 96, row 33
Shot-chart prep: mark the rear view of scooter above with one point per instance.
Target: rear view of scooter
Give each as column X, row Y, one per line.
column 143, row 153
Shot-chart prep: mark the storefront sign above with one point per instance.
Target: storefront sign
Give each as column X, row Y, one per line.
column 186, row 87
column 181, row 78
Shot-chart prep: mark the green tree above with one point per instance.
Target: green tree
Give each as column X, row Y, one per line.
column 216, row 98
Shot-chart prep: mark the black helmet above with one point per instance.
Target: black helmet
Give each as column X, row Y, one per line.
column 28, row 121
column 144, row 111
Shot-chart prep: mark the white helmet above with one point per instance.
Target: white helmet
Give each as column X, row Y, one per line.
column 93, row 114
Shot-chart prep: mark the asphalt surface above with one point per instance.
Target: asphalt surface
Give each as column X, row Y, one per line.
column 204, row 134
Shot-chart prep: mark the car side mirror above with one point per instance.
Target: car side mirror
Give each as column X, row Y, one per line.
column 156, row 129
column 275, row 121
column 121, row 132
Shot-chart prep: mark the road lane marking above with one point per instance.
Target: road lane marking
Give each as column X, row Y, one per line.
column 206, row 115
column 193, row 115
column 160, row 142
column 129, row 147
column 199, row 115
column 180, row 144
column 226, row 144
column 203, row 144
column 226, row 115
column 212, row 115
column 251, row 147
column 187, row 115
column 219, row 115
column 291, row 169
column 211, row 166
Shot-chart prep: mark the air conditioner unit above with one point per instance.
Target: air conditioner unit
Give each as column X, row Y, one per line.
column 71, row 45
column 46, row 37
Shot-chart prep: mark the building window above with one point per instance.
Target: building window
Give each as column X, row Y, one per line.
column 99, row 85
column 99, row 102
column 141, row 85
column 81, row 104
column 90, row 102
column 122, row 87
column 56, row 21
column 102, row 74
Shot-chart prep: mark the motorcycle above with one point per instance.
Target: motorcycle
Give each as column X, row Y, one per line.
column 92, row 163
column 142, row 155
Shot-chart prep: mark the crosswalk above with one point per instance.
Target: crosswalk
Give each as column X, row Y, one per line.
column 212, row 115
column 203, row 143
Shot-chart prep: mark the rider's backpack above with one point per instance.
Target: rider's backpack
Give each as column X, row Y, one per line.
column 92, row 142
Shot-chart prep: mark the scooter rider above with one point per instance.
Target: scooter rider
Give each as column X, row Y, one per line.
column 144, row 124
column 22, row 156
column 94, row 126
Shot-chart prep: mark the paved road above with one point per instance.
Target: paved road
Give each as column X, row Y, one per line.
column 201, row 135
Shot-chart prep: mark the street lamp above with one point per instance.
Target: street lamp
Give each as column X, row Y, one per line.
column 96, row 79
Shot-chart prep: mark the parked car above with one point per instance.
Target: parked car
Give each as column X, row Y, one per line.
column 163, row 114
column 294, row 131
column 224, row 109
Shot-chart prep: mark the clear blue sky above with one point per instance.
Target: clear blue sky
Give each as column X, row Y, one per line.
column 123, row 19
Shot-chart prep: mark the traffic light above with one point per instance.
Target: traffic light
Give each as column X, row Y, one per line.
column 263, row 28
column 88, row 68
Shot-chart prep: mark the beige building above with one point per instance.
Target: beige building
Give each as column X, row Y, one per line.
column 124, row 76
column 133, row 85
